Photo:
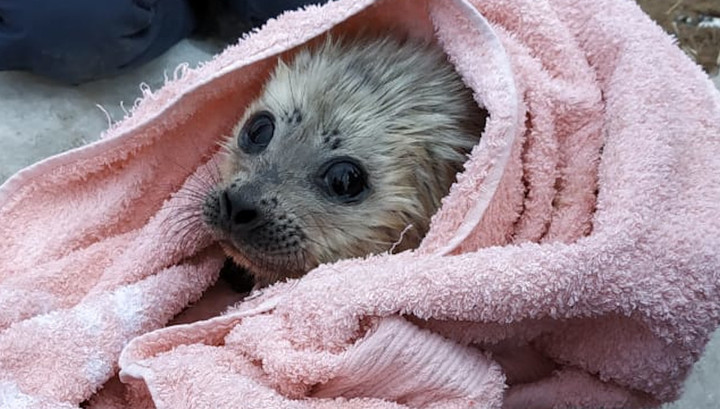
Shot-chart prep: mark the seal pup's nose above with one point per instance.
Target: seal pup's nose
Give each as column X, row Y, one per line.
column 238, row 211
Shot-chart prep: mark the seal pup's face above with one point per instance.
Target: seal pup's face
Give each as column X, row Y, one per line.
column 349, row 144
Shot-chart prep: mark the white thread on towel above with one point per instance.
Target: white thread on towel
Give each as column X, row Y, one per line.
column 402, row 236
column 180, row 71
column 146, row 91
column 122, row 106
column 107, row 116
column 136, row 104
column 253, row 295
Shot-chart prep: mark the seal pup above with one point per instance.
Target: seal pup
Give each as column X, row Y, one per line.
column 347, row 152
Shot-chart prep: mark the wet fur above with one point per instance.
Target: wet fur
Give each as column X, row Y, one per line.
column 398, row 107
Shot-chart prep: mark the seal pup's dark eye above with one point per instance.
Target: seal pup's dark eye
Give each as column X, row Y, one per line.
column 257, row 132
column 345, row 181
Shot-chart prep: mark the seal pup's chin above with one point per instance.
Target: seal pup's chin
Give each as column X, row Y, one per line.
column 267, row 270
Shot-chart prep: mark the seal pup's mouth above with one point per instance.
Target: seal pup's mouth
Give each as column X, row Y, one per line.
column 267, row 270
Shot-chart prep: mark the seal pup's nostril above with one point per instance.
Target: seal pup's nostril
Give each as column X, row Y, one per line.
column 238, row 209
column 225, row 206
column 245, row 216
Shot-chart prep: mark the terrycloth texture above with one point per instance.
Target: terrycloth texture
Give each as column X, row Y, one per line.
column 574, row 264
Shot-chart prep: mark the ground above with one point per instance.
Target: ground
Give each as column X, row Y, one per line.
column 39, row 118
column 695, row 23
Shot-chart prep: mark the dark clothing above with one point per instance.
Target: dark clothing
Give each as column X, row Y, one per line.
column 75, row 41
column 254, row 13
column 79, row 40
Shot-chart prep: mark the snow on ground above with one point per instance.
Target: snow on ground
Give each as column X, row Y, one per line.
column 39, row 119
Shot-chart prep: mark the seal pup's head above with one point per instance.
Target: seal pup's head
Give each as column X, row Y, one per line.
column 350, row 142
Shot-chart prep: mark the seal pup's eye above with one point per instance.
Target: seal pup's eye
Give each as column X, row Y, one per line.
column 345, row 181
column 257, row 132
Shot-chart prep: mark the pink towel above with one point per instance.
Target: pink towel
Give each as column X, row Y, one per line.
column 573, row 264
